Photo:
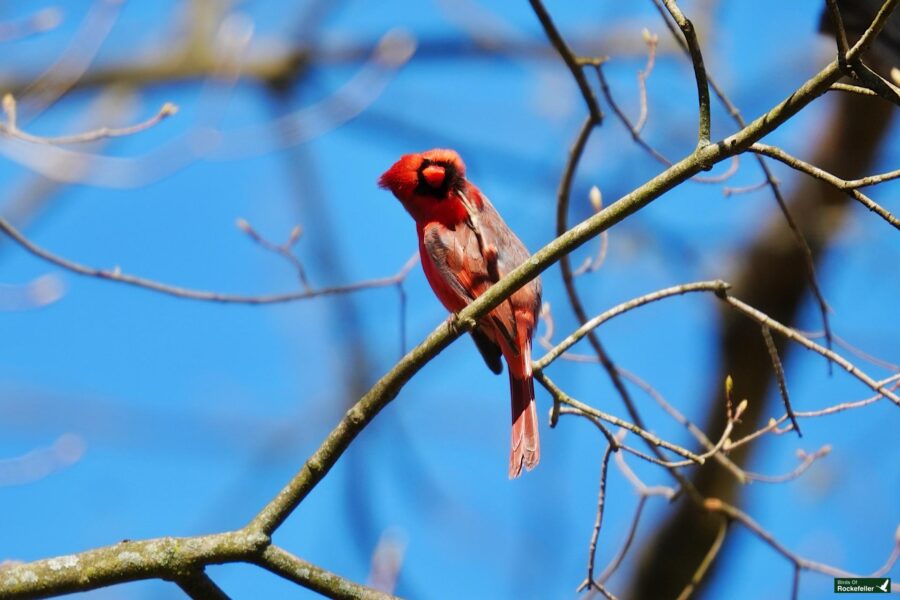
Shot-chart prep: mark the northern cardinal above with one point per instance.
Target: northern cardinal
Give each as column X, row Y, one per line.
column 465, row 248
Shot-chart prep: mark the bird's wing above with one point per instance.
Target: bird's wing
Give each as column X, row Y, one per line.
column 446, row 254
column 496, row 232
column 463, row 271
column 489, row 351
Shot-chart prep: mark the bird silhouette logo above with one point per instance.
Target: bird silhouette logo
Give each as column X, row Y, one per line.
column 884, row 586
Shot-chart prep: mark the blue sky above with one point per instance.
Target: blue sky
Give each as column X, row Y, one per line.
column 194, row 414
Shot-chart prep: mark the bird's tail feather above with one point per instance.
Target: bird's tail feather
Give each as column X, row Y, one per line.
column 525, row 449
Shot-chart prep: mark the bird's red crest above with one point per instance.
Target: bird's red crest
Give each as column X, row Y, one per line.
column 402, row 177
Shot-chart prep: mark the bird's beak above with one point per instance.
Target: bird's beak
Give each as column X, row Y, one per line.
column 434, row 175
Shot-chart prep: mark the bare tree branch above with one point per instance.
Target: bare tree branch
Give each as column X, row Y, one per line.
column 164, row 288
column 199, row 586
column 11, row 129
column 569, row 58
column 690, row 36
column 848, row 186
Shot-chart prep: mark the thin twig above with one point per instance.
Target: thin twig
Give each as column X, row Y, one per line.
column 869, row 35
column 690, row 36
column 716, row 287
column 592, row 264
column 562, row 205
column 840, row 34
column 11, row 128
column 580, row 407
column 876, row 82
column 698, row 433
column 837, row 182
column 704, row 565
column 746, row 189
column 569, row 58
column 799, row 238
column 640, row 141
column 595, row 534
column 764, row 319
column 626, row 544
column 284, row 249
column 187, row 293
column 851, row 63
column 735, row 514
column 734, row 417
column 806, row 461
column 610, row 438
column 858, row 352
column 779, row 377
column 773, row 424
column 853, row 89
column 669, row 493
column 652, row 41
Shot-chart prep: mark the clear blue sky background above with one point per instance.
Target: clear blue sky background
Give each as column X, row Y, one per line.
column 195, row 414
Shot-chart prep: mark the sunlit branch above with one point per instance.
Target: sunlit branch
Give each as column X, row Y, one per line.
column 852, row 89
column 578, row 334
column 806, row 461
column 118, row 276
column 635, row 132
column 847, row 186
column 772, row 182
column 711, row 554
column 779, row 377
column 736, row 515
column 284, row 250
column 695, row 431
column 569, row 58
column 690, row 36
column 168, row 558
column 595, row 534
column 793, row 335
column 773, row 424
column 580, row 408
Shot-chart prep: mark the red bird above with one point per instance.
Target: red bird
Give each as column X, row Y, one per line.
column 465, row 248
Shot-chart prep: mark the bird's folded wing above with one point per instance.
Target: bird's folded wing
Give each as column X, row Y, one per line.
column 458, row 259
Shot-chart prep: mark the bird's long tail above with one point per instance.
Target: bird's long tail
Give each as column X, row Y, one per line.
column 525, row 450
